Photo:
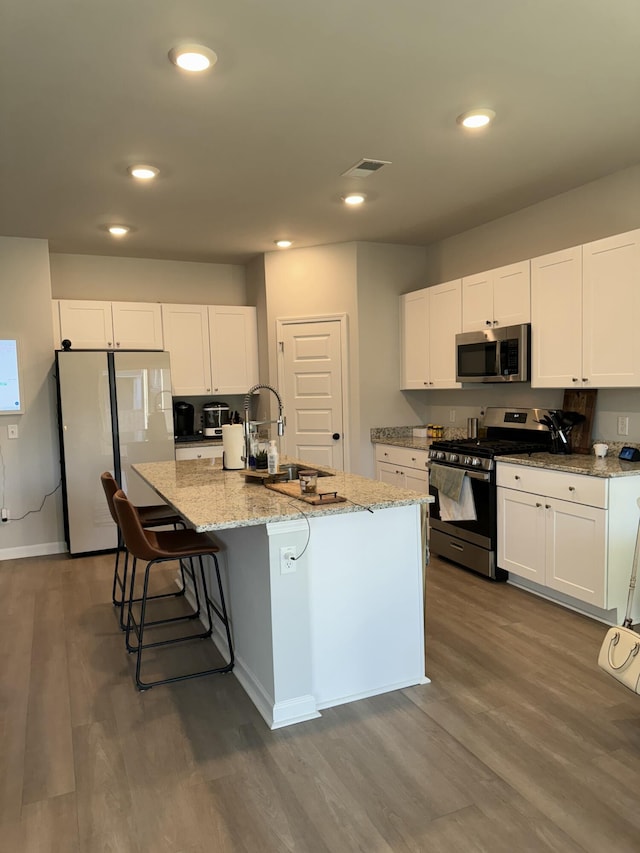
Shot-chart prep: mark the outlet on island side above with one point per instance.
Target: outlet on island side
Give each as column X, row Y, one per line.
column 287, row 559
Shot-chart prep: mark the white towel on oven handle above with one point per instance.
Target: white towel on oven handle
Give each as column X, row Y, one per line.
column 463, row 509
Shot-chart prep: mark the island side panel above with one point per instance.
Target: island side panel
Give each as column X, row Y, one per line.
column 366, row 594
column 270, row 620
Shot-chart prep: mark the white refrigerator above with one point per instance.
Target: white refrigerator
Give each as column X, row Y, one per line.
column 114, row 409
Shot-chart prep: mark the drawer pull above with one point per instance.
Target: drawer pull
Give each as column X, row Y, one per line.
column 572, row 488
column 547, row 506
column 538, row 505
column 516, row 477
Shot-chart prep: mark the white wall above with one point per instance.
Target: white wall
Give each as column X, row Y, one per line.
column 29, row 466
column 316, row 282
column 146, row 280
column 384, row 272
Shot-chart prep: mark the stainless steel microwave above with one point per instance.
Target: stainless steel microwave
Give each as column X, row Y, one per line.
column 501, row 354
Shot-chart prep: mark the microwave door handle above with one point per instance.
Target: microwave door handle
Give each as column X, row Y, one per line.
column 498, row 367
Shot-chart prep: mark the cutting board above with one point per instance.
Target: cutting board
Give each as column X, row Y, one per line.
column 292, row 489
column 581, row 400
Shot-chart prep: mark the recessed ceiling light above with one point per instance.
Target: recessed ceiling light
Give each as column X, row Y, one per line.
column 354, row 199
column 193, row 57
column 118, row 230
column 284, row 244
column 476, row 118
column 143, row 173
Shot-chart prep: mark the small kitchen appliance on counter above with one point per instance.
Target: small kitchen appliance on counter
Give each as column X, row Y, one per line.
column 214, row 416
column 182, row 419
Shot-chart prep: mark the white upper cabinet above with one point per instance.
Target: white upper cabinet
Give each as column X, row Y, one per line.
column 499, row 297
column 186, row 338
column 556, row 320
column 585, row 313
column 137, row 325
column 92, row 324
column 87, row 324
column 233, row 335
column 414, row 332
column 611, row 311
column 431, row 318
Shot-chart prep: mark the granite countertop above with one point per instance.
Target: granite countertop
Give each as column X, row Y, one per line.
column 213, row 499
column 576, row 463
column 405, row 441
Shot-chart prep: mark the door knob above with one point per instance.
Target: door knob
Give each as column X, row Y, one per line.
column 336, row 436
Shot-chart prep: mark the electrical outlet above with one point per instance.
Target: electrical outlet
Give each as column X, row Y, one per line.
column 287, row 559
column 452, row 416
column 623, row 425
column 12, row 430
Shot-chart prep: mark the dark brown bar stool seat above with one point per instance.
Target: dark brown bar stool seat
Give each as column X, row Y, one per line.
column 161, row 546
column 150, row 516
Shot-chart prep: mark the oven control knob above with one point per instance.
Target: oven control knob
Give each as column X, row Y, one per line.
column 453, row 457
column 440, row 454
column 466, row 460
column 475, row 462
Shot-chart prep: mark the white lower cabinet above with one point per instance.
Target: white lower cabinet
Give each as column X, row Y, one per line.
column 403, row 467
column 207, row 451
column 568, row 533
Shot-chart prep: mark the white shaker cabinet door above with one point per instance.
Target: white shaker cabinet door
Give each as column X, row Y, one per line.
column 137, row 325
column 521, row 534
column 512, row 294
column 576, row 553
column 233, row 333
column 186, row 338
column 556, row 320
column 86, row 323
column 611, row 311
column 445, row 320
column 414, row 312
column 477, row 302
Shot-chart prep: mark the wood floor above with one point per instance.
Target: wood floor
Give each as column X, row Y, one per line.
column 519, row 744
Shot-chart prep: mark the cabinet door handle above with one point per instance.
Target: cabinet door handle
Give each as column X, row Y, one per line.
column 413, row 458
column 425, row 382
column 538, row 505
column 516, row 477
column 574, row 379
column 547, row 506
column 495, row 322
column 487, row 322
column 572, row 488
column 585, row 378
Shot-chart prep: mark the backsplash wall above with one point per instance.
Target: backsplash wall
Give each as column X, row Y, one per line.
column 612, row 403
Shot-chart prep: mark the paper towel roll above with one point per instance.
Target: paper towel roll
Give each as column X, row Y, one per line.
column 232, row 446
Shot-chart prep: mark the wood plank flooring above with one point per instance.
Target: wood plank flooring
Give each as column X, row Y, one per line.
column 520, row 743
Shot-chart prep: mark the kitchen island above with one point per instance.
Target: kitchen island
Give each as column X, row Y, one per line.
column 342, row 621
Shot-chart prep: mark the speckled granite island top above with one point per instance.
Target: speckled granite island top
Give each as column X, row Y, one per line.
column 576, row 463
column 213, row 499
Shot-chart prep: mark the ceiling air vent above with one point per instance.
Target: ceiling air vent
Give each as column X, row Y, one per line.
column 364, row 168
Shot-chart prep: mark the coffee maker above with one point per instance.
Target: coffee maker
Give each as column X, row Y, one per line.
column 182, row 419
column 214, row 416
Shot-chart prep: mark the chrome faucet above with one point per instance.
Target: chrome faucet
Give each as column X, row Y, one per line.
column 250, row 426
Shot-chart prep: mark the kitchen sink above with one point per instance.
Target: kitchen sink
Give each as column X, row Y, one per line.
column 292, row 471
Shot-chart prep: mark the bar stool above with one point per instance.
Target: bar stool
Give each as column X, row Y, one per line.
column 150, row 516
column 160, row 546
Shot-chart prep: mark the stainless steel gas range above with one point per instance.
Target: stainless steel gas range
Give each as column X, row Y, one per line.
column 468, row 541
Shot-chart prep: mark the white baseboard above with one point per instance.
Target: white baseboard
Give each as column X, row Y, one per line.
column 43, row 549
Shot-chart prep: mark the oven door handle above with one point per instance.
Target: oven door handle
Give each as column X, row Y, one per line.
column 477, row 475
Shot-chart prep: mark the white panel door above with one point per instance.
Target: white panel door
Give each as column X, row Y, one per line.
column 477, row 302
column 312, row 370
column 576, row 545
column 512, row 294
column 414, row 312
column 445, row 318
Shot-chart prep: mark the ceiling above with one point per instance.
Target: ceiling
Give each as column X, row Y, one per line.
column 254, row 149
